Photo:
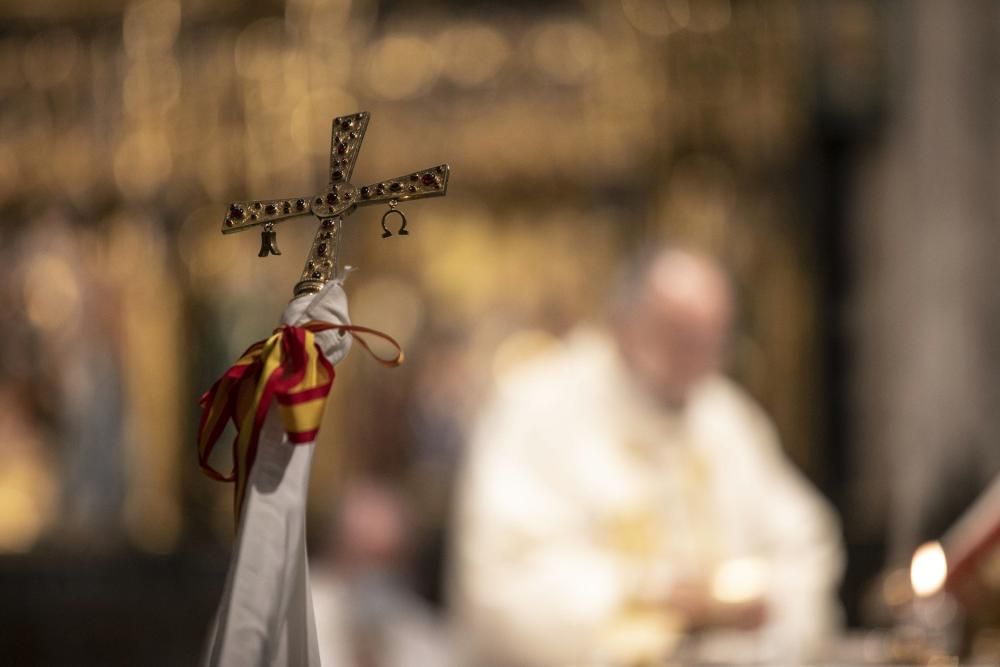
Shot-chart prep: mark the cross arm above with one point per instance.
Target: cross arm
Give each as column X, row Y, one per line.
column 245, row 214
column 345, row 145
column 431, row 182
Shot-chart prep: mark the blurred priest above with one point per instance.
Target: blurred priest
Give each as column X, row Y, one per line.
column 623, row 502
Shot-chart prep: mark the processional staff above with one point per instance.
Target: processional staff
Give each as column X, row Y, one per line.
column 274, row 395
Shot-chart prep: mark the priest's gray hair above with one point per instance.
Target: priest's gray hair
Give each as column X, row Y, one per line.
column 631, row 281
column 635, row 277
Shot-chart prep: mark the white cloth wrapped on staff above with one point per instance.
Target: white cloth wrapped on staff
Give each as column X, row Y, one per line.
column 265, row 617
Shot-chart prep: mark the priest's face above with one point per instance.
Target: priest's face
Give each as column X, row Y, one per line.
column 676, row 332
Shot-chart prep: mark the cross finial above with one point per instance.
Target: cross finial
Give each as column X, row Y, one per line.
column 332, row 205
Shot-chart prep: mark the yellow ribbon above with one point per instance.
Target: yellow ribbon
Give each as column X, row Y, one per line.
column 288, row 367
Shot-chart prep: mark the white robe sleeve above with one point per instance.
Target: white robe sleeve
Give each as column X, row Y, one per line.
column 265, row 618
column 802, row 535
column 788, row 527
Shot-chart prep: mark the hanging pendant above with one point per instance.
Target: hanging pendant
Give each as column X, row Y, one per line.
column 268, row 242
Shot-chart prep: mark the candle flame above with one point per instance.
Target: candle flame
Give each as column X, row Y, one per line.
column 928, row 569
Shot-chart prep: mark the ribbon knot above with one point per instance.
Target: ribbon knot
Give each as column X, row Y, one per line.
column 287, row 367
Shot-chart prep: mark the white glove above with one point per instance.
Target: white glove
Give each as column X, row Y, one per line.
column 327, row 305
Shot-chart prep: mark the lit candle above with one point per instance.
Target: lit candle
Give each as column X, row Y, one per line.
column 934, row 612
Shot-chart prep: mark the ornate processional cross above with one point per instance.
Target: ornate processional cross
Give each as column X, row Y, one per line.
column 336, row 202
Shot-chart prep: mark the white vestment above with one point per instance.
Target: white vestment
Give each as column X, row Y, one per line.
column 582, row 500
column 265, row 618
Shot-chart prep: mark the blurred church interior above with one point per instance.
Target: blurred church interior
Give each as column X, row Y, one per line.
column 838, row 157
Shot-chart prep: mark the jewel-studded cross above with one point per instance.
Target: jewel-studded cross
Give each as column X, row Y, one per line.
column 336, row 202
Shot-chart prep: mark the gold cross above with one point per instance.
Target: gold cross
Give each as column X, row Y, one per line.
column 332, row 205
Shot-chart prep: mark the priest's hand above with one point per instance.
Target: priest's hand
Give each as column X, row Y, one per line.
column 693, row 599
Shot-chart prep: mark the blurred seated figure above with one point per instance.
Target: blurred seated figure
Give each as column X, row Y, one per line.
column 623, row 502
column 366, row 616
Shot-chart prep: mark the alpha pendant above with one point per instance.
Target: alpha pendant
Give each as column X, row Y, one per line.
column 268, row 242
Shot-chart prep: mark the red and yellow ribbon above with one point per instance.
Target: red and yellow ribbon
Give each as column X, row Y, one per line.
column 289, row 368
